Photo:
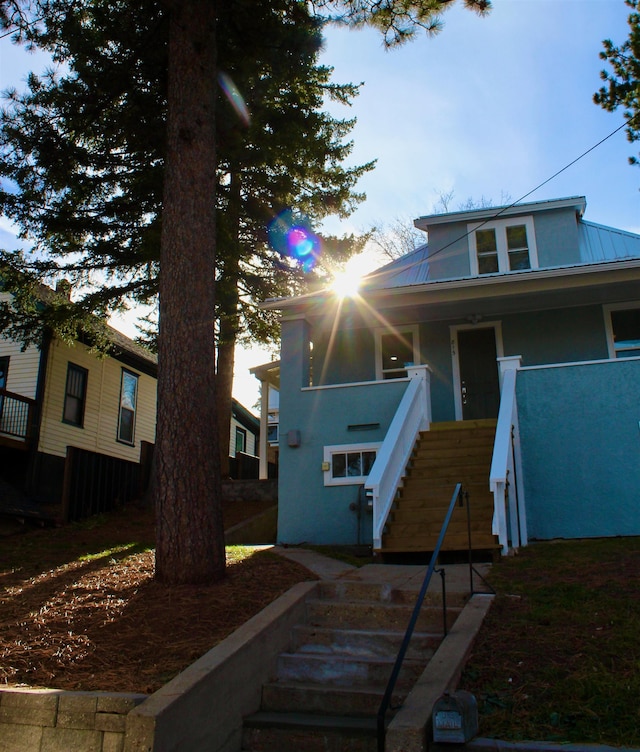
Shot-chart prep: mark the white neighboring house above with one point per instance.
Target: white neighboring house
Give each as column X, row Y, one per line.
column 58, row 396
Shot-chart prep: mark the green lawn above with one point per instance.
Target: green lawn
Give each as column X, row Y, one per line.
column 558, row 657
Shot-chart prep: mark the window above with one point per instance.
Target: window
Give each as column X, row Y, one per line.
column 502, row 246
column 75, row 395
column 128, row 402
column 241, row 440
column 4, row 370
column 348, row 464
column 623, row 325
column 395, row 350
column 272, row 433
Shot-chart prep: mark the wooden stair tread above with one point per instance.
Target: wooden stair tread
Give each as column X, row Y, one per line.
column 443, row 456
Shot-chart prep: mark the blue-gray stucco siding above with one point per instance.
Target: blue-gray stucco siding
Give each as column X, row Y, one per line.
column 580, row 434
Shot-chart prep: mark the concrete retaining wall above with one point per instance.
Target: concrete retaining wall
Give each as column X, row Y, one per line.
column 200, row 710
column 49, row 720
column 250, row 490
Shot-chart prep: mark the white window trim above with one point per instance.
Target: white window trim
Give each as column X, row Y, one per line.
column 455, row 360
column 352, row 480
column 500, row 226
column 412, row 329
column 608, row 326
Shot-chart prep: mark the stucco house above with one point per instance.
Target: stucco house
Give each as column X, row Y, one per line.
column 504, row 353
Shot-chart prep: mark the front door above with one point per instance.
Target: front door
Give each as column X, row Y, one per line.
column 479, row 384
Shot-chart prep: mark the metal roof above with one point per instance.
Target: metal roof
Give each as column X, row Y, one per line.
column 600, row 243
column 596, row 243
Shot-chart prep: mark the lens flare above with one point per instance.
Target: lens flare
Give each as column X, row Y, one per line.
column 291, row 236
column 235, row 98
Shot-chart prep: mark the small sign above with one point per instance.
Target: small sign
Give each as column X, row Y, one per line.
column 448, row 719
column 455, row 718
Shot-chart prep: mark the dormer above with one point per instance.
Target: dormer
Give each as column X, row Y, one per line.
column 502, row 240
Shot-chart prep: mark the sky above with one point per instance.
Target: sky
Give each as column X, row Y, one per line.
column 489, row 108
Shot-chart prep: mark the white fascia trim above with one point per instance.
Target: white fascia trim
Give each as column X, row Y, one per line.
column 577, row 202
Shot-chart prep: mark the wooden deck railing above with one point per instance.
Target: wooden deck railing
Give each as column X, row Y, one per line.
column 16, row 416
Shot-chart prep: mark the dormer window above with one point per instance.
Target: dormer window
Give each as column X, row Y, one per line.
column 506, row 245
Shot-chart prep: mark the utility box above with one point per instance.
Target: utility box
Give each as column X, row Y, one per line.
column 455, row 718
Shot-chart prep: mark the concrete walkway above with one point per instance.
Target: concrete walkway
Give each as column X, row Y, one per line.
column 405, row 576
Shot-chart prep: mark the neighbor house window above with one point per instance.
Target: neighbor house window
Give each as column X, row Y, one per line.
column 128, row 404
column 75, row 395
column 623, row 329
column 272, row 428
column 506, row 245
column 241, row 440
column 396, row 350
column 348, row 464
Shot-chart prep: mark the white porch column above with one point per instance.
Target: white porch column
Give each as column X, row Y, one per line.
column 263, row 453
column 508, row 363
column 423, row 373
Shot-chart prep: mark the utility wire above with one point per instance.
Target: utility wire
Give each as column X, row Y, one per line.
column 626, row 123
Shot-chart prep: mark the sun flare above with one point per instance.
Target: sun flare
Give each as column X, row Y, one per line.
column 347, row 282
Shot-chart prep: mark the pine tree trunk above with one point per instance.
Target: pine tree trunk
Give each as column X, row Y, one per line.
column 190, row 535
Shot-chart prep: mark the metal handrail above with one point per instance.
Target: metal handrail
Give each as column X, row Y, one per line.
column 386, row 699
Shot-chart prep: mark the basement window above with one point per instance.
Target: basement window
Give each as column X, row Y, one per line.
column 348, row 464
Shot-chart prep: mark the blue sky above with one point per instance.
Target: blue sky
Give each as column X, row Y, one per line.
column 491, row 106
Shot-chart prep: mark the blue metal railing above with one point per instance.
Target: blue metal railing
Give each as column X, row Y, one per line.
column 386, row 700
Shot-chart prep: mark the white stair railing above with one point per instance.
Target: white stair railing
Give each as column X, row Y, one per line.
column 509, row 521
column 412, row 416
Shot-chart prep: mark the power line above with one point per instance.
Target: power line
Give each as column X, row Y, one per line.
column 626, row 123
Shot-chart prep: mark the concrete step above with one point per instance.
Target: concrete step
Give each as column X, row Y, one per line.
column 324, row 700
column 345, row 670
column 352, row 591
column 323, row 613
column 362, row 642
column 295, row 732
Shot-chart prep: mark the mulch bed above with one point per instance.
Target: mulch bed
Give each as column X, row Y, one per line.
column 102, row 622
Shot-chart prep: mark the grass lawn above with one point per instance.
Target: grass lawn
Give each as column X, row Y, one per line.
column 558, row 657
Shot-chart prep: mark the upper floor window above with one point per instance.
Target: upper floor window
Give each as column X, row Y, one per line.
column 128, row 405
column 623, row 330
column 505, row 245
column 75, row 395
column 396, row 350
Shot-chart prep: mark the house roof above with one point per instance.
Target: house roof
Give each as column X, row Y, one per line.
column 245, row 417
column 122, row 348
column 579, row 203
column 603, row 252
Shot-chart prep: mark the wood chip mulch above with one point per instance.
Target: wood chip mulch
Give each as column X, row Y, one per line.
column 103, row 623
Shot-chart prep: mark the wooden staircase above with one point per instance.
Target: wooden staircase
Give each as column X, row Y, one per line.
column 450, row 453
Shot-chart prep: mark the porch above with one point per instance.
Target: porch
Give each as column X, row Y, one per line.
column 562, row 463
column 17, row 414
